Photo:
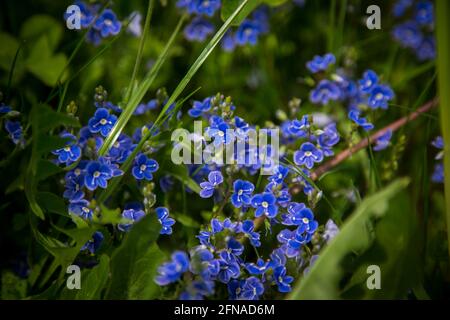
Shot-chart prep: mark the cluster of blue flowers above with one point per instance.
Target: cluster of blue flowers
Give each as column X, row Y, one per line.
column 218, row 259
column 416, row 32
column 438, row 174
column 101, row 25
column 89, row 172
column 201, row 26
column 361, row 96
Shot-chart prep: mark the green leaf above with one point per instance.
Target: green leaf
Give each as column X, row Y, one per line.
column 43, row 64
column 356, row 237
column 13, row 287
column 93, row 282
column 46, row 169
column 50, row 202
column 42, row 26
column 8, row 50
column 134, row 264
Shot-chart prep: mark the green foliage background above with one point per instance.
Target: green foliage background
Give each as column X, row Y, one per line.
column 399, row 225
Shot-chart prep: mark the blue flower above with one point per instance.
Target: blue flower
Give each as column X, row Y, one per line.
column 206, row 7
column 200, row 107
column 74, row 185
column 438, row 143
column 282, row 280
column 302, row 217
column 425, row 13
column 328, row 139
column 380, row 96
column 427, row 49
column 234, row 289
column 438, row 174
column 292, row 241
column 87, row 14
column 205, row 238
column 93, row 36
column 81, row 208
column 172, row 271
column 324, row 92
column 331, row 230
column 144, row 107
column 198, row 30
column 107, row 24
column 258, row 268
column 265, row 204
column 219, row 134
column 229, row 267
column 252, row 289
column 133, row 215
column 242, row 193
column 299, row 128
column 279, row 175
column 102, row 122
column 277, row 258
column 307, row 187
column 166, row 183
column 163, row 218
column 308, row 155
column 368, row 82
column 228, row 41
column 71, row 152
column 234, row 247
column 121, row 149
column 383, row 141
column 94, row 244
column 5, row 109
column 401, row 6
column 321, row 63
column 354, row 115
column 247, row 32
column 408, row 34
column 14, row 130
column 144, row 167
column 247, row 228
column 97, row 175
column 215, row 178
column 135, row 26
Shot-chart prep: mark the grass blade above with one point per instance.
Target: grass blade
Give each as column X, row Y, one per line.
column 137, row 97
column 443, row 45
column 178, row 90
column 148, row 18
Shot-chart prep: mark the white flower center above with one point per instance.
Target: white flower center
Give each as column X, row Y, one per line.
column 67, row 149
column 220, row 134
column 264, row 204
column 143, row 167
column 240, row 192
column 305, row 220
column 379, row 96
column 103, row 121
column 96, row 174
column 308, row 153
column 85, row 209
column 108, row 22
